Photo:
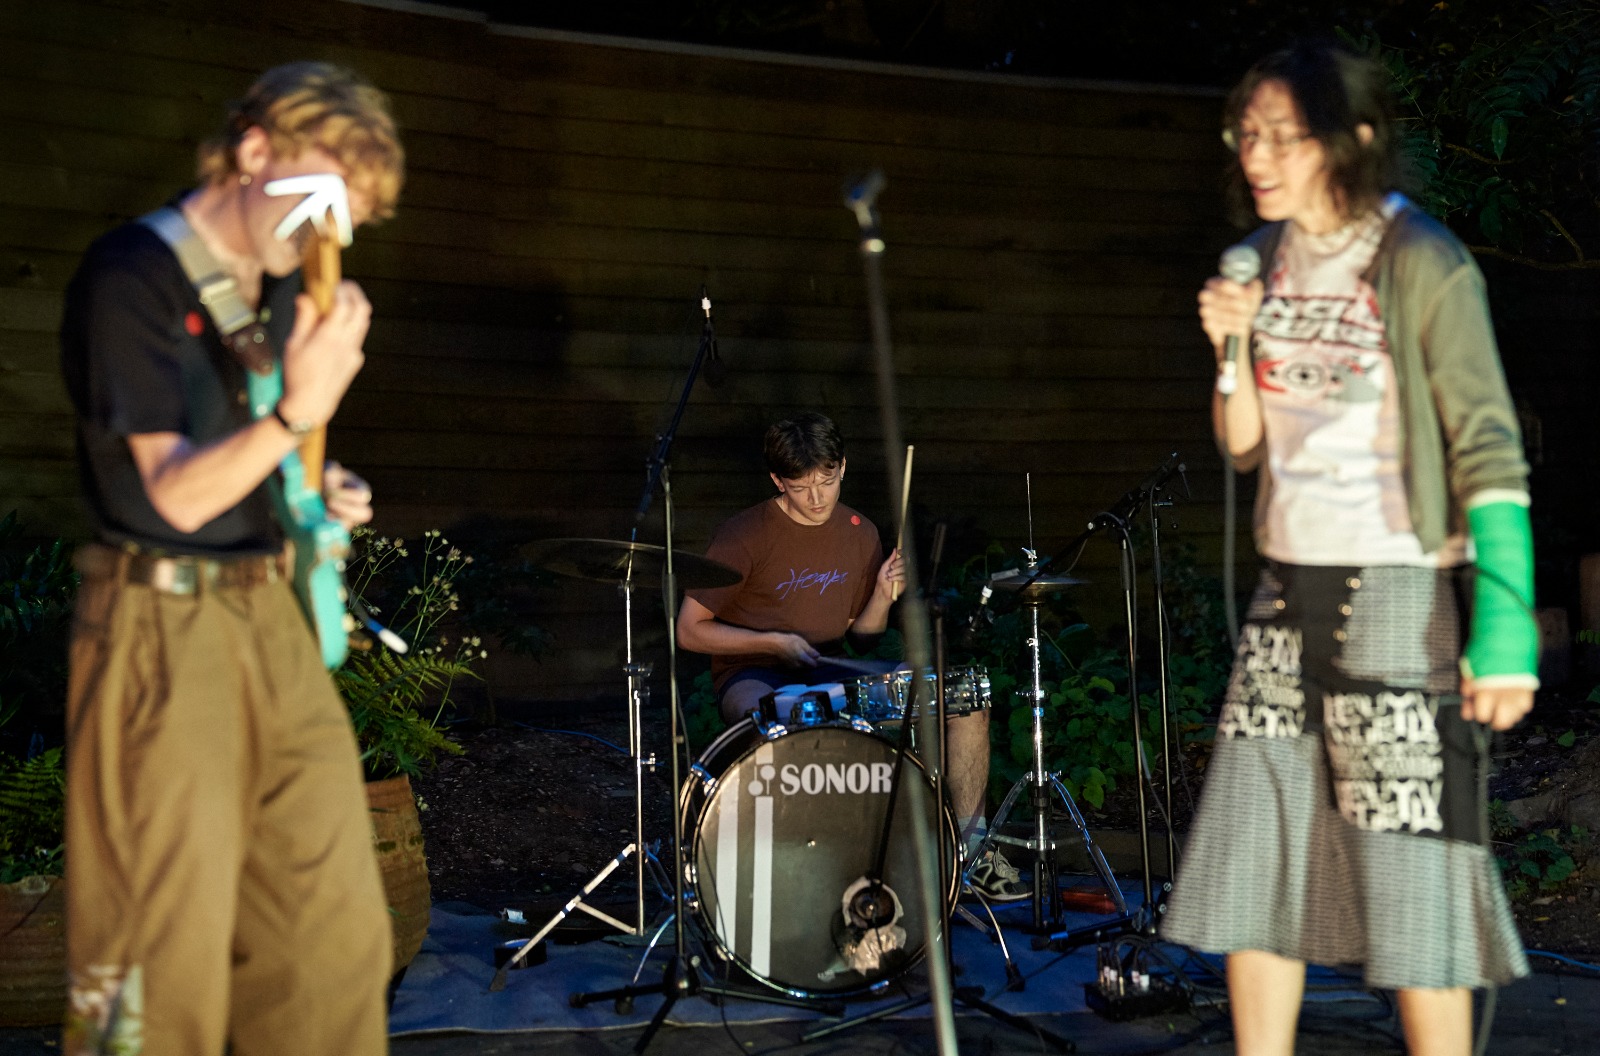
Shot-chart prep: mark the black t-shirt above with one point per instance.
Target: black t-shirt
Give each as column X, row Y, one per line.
column 140, row 354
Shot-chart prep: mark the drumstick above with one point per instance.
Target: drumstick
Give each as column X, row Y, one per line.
column 864, row 667
column 905, row 506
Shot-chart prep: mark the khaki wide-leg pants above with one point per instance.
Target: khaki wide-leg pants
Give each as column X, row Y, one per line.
column 221, row 882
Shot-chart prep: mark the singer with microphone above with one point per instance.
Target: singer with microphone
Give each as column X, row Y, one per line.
column 1343, row 816
column 814, row 575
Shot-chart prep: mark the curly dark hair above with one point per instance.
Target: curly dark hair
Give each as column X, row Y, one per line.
column 798, row 445
column 1336, row 91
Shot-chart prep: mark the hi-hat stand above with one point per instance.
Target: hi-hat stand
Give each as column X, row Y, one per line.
column 1034, row 583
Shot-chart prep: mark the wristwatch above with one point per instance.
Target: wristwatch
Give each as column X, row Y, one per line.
column 299, row 427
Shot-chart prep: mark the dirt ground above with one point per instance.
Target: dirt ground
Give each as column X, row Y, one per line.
column 528, row 814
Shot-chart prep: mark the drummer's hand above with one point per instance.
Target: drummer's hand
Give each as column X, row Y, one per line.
column 794, row 649
column 890, row 573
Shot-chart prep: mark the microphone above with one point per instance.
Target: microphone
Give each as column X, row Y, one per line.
column 1239, row 264
column 981, row 612
column 716, row 371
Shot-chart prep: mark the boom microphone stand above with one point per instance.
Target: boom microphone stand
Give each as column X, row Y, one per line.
column 1142, row 920
column 681, row 977
column 861, row 199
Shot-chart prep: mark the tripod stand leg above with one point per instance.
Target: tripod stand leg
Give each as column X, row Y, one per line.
column 972, row 998
column 574, row 903
column 1096, row 858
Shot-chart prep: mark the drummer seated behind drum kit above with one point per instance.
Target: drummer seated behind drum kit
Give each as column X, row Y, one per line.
column 814, row 575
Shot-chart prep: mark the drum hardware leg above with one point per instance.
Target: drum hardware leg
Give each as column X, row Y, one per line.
column 575, row 903
column 1144, row 920
column 966, row 996
column 651, row 948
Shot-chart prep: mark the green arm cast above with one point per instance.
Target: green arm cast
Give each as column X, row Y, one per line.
column 1504, row 639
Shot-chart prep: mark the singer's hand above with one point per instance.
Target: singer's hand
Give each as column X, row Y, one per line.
column 1498, row 708
column 1228, row 308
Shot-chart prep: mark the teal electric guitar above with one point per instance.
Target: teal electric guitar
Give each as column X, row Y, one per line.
column 320, row 543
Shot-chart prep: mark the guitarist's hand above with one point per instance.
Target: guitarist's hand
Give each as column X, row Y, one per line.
column 323, row 354
column 347, row 497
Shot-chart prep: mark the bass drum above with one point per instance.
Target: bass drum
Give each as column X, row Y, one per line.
column 780, row 830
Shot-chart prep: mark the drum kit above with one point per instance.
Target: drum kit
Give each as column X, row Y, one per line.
column 783, row 815
column 811, row 852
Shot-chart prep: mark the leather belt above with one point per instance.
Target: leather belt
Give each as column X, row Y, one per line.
column 183, row 574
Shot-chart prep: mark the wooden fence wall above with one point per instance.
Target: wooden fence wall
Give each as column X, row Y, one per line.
column 536, row 296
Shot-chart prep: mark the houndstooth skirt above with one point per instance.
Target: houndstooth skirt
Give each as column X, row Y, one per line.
column 1342, row 819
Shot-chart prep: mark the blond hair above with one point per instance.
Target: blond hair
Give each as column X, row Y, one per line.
column 316, row 104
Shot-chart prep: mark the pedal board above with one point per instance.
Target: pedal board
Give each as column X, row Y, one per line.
column 1122, row 990
column 1158, row 998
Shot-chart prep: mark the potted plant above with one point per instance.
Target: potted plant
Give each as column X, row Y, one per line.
column 398, row 702
column 37, row 585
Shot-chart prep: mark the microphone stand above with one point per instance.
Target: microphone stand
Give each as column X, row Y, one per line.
column 1142, row 920
column 861, row 199
column 681, row 976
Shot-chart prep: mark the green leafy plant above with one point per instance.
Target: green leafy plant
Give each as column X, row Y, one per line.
column 1541, row 862
column 1500, row 107
column 37, row 589
column 399, row 702
column 32, row 791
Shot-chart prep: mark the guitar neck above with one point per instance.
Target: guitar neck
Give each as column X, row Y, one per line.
column 320, row 275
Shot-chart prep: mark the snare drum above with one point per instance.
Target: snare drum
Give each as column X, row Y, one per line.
column 784, row 824
column 883, row 699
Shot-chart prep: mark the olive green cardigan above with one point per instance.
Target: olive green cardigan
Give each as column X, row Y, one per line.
column 1458, row 430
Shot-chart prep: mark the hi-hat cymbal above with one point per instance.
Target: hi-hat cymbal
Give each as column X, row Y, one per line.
column 614, row 560
column 1021, row 581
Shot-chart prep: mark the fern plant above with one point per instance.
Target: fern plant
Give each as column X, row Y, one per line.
column 397, row 702
column 400, row 702
column 31, row 794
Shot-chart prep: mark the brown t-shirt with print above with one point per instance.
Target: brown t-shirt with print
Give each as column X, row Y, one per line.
column 805, row 579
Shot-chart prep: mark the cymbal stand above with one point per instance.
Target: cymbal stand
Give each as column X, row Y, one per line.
column 638, row 696
column 1040, row 783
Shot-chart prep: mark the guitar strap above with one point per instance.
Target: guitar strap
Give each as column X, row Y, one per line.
column 218, row 291
column 240, row 327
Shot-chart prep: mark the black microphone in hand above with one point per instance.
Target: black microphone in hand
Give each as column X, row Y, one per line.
column 1239, row 264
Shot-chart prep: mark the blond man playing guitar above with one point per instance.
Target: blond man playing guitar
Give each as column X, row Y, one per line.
column 220, row 879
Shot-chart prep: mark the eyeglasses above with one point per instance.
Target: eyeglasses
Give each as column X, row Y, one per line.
column 1278, row 145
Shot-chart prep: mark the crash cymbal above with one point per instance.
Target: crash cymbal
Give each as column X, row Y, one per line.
column 1020, row 580
column 612, row 560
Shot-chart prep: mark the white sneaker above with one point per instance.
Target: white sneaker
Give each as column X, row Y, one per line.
column 997, row 879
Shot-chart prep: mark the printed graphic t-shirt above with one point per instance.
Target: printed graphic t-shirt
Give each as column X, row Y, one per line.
column 805, row 579
column 1330, row 409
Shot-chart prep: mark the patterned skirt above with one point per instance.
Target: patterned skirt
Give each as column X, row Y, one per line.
column 1342, row 819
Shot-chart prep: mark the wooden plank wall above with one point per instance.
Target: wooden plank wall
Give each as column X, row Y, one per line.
column 535, row 298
